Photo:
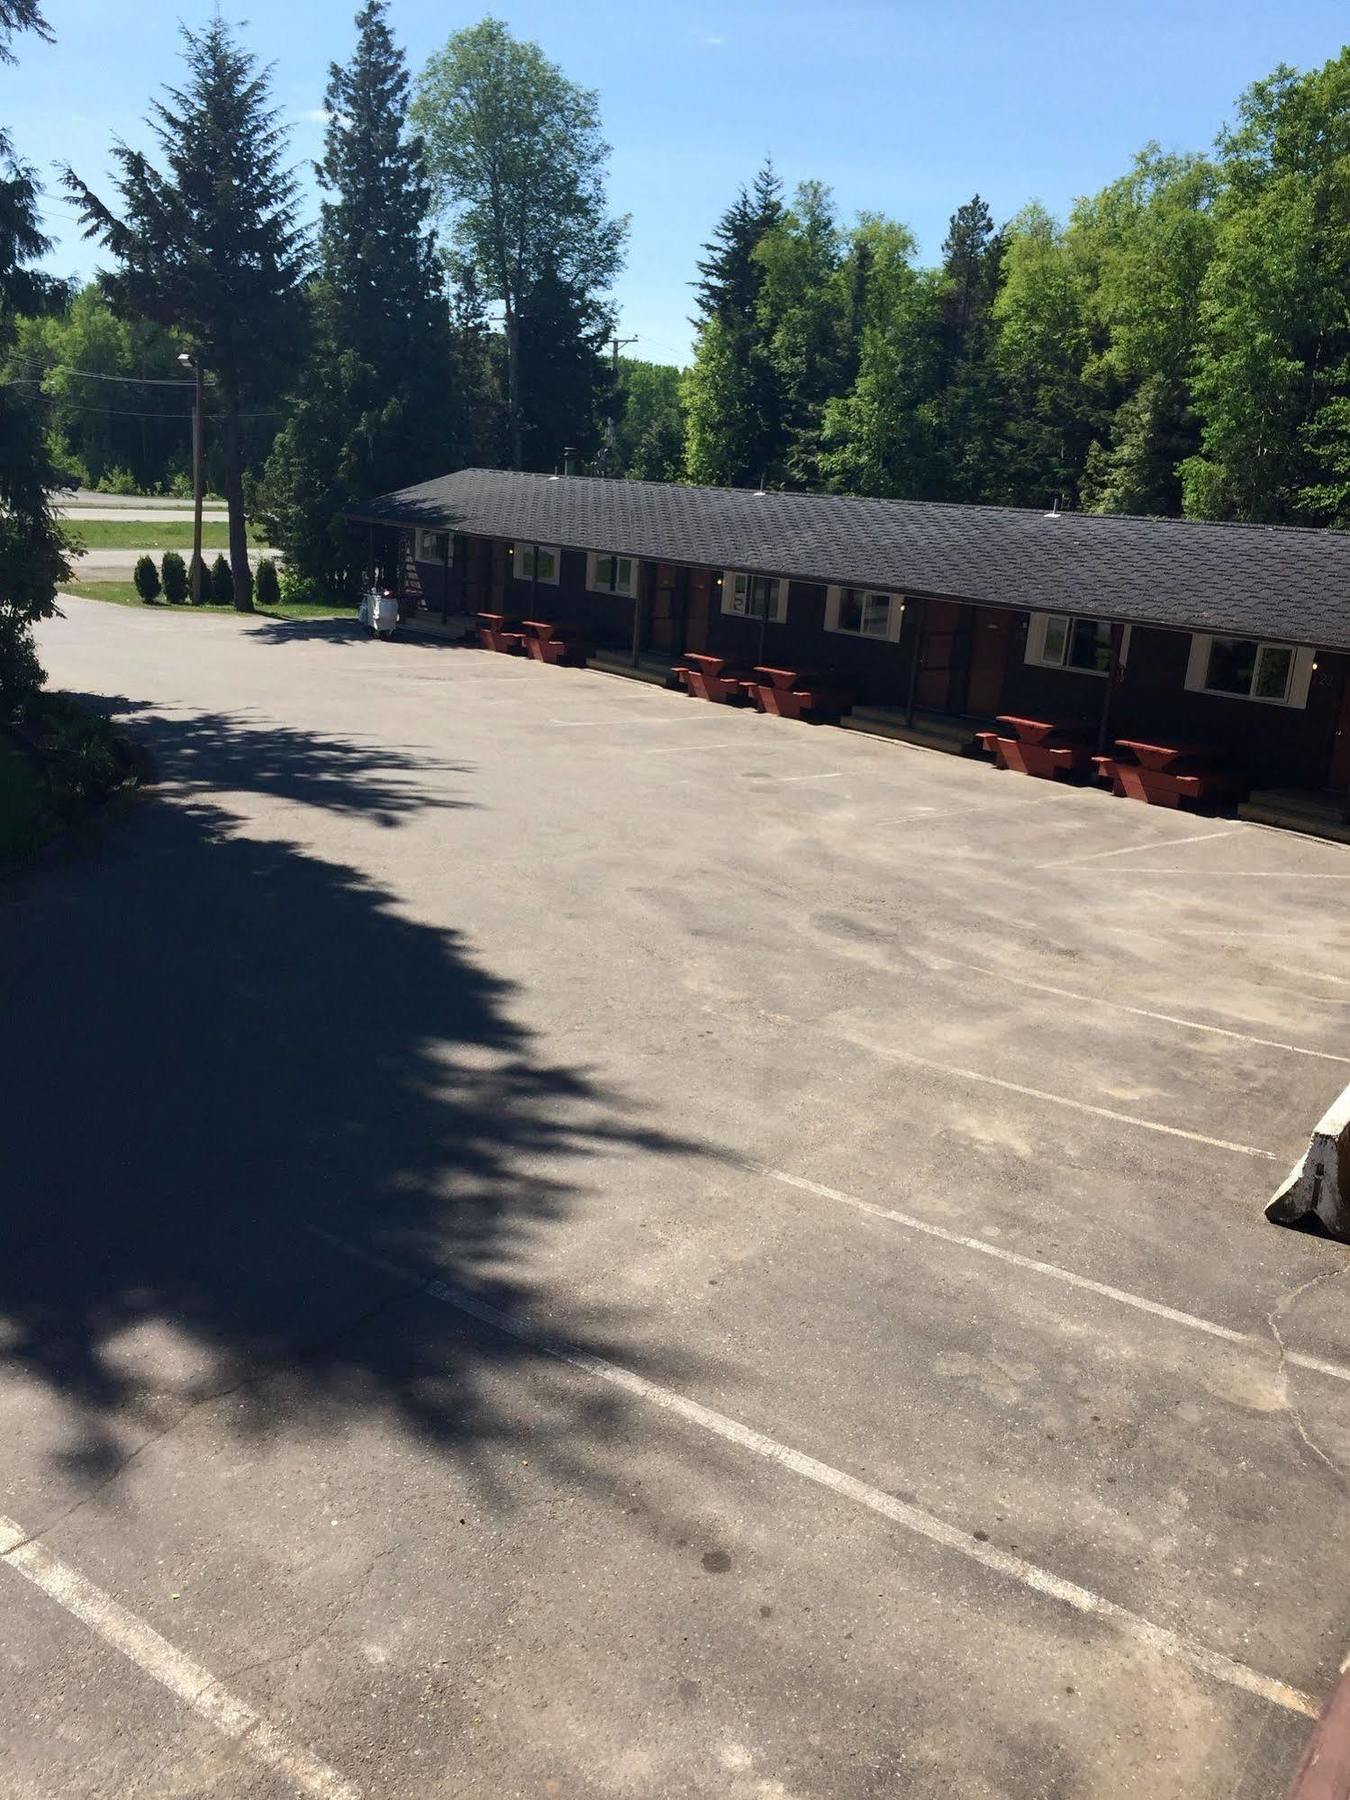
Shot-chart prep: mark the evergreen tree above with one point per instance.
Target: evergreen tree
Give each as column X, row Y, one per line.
column 880, row 437
column 209, row 244
column 969, row 408
column 32, row 547
column 372, row 410
column 479, row 422
column 515, row 150
column 565, row 381
column 734, row 407
column 805, row 314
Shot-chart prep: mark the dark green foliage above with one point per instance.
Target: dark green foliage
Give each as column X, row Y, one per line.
column 208, row 245
column 736, row 430
column 222, row 583
column 649, row 424
column 146, row 578
column 376, row 406
column 565, row 378
column 518, row 161
column 267, row 588
column 32, row 546
column 174, row 577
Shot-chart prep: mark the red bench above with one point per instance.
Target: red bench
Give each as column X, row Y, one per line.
column 547, row 643
column 1032, row 749
column 1168, row 774
column 707, row 678
column 493, row 634
column 792, row 694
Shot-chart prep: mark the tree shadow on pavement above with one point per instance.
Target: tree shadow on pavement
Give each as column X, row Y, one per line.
column 222, row 1054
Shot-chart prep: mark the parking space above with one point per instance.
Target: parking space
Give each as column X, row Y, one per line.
column 573, row 1241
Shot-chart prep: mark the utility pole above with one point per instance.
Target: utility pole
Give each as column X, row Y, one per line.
column 618, row 344
column 198, row 408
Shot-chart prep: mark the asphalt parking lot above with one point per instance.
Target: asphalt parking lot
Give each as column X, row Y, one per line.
column 562, row 1240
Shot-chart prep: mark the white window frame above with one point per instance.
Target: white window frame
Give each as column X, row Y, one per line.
column 1037, row 655
column 735, row 592
column 435, row 554
column 1301, row 667
column 593, row 582
column 520, row 563
column 834, row 600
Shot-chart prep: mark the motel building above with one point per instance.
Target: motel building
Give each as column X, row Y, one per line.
column 1230, row 643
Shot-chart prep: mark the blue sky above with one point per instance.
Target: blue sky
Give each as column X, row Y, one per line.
column 906, row 108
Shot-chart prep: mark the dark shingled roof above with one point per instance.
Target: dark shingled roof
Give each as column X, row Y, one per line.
column 1254, row 580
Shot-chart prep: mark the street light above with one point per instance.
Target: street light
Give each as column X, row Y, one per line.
column 198, row 408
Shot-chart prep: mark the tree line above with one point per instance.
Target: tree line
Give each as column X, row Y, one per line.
column 1179, row 345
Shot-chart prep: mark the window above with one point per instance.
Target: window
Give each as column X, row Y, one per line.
column 755, row 596
column 611, row 574
column 432, row 546
column 1246, row 669
column 1056, row 641
column 523, row 562
column 862, row 612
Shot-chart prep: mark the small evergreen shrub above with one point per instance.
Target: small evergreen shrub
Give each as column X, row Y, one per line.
column 267, row 590
column 173, row 573
column 146, row 577
column 222, row 582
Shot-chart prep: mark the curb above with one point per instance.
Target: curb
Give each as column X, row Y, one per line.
column 1324, row 1773
column 1318, row 1187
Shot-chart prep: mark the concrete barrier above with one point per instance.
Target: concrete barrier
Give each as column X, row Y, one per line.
column 1319, row 1184
column 1324, row 1773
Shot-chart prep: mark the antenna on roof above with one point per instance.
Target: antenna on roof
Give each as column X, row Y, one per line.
column 1054, row 508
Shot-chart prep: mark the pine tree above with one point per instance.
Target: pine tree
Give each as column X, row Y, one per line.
column 32, row 547
column 565, row 381
column 969, row 408
column 373, row 410
column 209, row 245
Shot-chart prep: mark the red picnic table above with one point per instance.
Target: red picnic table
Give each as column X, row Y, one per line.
column 708, row 678
column 1043, row 747
column 494, row 634
column 550, row 642
column 1167, row 774
column 793, row 693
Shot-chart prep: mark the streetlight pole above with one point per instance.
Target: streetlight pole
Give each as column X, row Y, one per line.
column 198, row 407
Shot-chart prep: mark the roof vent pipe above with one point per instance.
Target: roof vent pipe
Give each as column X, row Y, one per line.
column 569, row 459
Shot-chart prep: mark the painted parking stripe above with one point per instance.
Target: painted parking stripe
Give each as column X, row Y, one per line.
column 1030, row 1093
column 911, row 1518
column 232, row 1717
column 1123, row 1296
column 1158, row 843
column 1139, row 1012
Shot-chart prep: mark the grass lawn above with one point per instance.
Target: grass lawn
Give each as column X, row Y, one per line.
column 123, row 593
column 153, row 534
column 24, row 818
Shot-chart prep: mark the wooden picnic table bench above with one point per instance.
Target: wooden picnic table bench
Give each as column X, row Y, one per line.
column 794, row 694
column 494, row 634
column 709, row 678
column 1041, row 747
column 1168, row 774
column 548, row 642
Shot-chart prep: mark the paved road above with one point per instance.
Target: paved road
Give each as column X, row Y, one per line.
column 117, row 565
column 573, row 1242
column 88, row 504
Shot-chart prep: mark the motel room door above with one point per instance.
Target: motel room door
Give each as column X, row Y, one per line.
column 988, row 655
column 1340, row 745
column 697, row 608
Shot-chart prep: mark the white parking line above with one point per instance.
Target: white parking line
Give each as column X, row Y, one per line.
column 1205, row 837
column 830, row 775
column 187, row 1680
column 1139, row 1012
column 1190, row 1321
column 848, row 1487
column 1017, row 1087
